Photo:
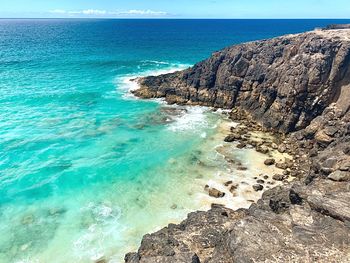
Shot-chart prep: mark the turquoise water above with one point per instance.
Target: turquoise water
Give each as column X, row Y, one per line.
column 85, row 168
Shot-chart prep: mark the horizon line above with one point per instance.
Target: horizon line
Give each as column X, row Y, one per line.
column 179, row 18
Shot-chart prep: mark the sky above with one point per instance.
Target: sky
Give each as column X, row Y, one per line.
column 175, row 8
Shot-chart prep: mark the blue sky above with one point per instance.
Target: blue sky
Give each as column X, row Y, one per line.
column 176, row 8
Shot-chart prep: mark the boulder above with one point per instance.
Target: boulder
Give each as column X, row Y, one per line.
column 213, row 192
column 269, row 161
column 258, row 187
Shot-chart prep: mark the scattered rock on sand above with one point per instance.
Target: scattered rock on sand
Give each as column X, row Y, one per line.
column 258, row 187
column 282, row 148
column 269, row 161
column 262, row 149
column 279, row 177
column 233, row 188
column 281, row 165
column 232, row 137
column 213, row 192
column 228, row 183
column 241, row 145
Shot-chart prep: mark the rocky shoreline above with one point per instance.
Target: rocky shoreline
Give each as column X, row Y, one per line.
column 298, row 88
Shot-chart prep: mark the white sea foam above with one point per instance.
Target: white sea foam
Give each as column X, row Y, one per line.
column 193, row 119
column 126, row 84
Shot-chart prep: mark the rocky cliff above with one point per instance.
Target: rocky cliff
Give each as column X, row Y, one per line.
column 283, row 82
column 295, row 84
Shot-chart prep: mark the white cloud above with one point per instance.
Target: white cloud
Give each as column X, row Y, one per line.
column 97, row 12
column 94, row 12
column 58, row 11
column 143, row 12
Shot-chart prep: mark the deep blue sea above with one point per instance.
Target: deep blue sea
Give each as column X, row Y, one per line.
column 86, row 169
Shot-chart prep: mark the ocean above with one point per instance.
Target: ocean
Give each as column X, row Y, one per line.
column 86, row 169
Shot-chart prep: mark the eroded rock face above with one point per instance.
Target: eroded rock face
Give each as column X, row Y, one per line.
column 283, row 82
column 295, row 223
column 288, row 83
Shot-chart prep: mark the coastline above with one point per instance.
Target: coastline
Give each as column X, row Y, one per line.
column 298, row 219
column 239, row 183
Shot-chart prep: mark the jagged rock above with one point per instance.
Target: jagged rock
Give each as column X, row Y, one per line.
column 295, row 82
column 293, row 223
column 283, row 82
column 323, row 138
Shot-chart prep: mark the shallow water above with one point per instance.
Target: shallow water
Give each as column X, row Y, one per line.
column 85, row 168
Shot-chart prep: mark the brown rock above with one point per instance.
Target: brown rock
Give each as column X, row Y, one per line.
column 322, row 138
column 213, row 192
column 258, row 187
column 279, row 177
column 339, row 176
column 269, row 161
column 228, row 183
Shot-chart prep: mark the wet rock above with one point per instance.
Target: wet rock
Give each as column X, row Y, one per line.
column 262, row 149
column 228, row 183
column 213, row 192
column 101, row 260
column 232, row 137
column 296, row 82
column 233, row 188
column 241, row 168
column 258, row 187
column 279, row 177
column 241, row 145
column 269, row 161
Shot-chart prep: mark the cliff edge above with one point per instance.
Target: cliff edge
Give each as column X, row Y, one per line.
column 283, row 82
column 298, row 85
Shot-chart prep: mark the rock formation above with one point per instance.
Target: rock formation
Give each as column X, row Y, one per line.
column 298, row 85
column 283, row 82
